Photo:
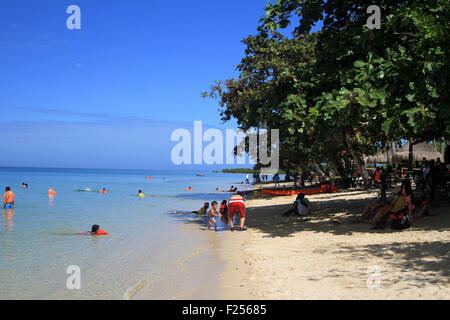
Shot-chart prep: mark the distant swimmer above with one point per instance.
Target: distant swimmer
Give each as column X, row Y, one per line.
column 24, row 185
column 51, row 192
column 95, row 231
column 189, row 189
column 8, row 198
column 141, row 195
column 220, row 190
column 103, row 191
column 213, row 212
column 203, row 210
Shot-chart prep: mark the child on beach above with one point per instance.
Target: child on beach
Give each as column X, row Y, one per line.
column 213, row 212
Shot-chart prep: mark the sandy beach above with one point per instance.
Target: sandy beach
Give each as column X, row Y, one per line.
column 326, row 257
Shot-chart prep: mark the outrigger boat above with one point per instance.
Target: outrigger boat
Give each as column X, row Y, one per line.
column 306, row 191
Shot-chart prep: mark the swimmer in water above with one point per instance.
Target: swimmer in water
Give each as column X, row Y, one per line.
column 141, row 195
column 96, row 231
column 189, row 189
column 203, row 210
column 24, row 185
column 103, row 191
column 8, row 199
column 220, row 190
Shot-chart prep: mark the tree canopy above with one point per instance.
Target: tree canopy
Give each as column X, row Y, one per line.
column 345, row 90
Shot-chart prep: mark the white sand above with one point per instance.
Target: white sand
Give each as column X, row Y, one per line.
column 289, row 258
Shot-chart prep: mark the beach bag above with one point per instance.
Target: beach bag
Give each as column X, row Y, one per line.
column 400, row 220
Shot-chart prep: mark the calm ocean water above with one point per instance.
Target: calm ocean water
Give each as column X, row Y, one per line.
column 170, row 256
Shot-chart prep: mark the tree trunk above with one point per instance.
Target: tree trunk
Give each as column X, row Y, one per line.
column 383, row 187
column 389, row 154
column 359, row 162
column 410, row 156
column 339, row 167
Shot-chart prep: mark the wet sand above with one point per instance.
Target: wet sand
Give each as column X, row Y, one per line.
column 326, row 257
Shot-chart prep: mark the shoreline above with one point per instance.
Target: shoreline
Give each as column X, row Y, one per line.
column 289, row 258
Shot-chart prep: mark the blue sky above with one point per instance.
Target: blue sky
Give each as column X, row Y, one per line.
column 85, row 98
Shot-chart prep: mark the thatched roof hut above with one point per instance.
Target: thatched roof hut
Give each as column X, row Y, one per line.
column 420, row 151
column 378, row 158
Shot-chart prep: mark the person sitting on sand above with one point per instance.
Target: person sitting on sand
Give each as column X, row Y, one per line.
column 403, row 201
column 301, row 206
column 213, row 212
column 203, row 210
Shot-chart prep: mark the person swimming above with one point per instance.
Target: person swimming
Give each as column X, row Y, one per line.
column 104, row 191
column 141, row 195
column 24, row 185
column 220, row 190
column 8, row 198
column 189, row 189
column 203, row 210
column 95, row 231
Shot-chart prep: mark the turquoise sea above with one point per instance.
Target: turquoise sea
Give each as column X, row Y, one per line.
column 155, row 249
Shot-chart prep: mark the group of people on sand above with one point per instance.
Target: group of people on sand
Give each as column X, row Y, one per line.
column 226, row 212
column 400, row 212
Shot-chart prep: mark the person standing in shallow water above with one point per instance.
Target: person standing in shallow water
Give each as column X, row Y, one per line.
column 213, row 212
column 8, row 198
